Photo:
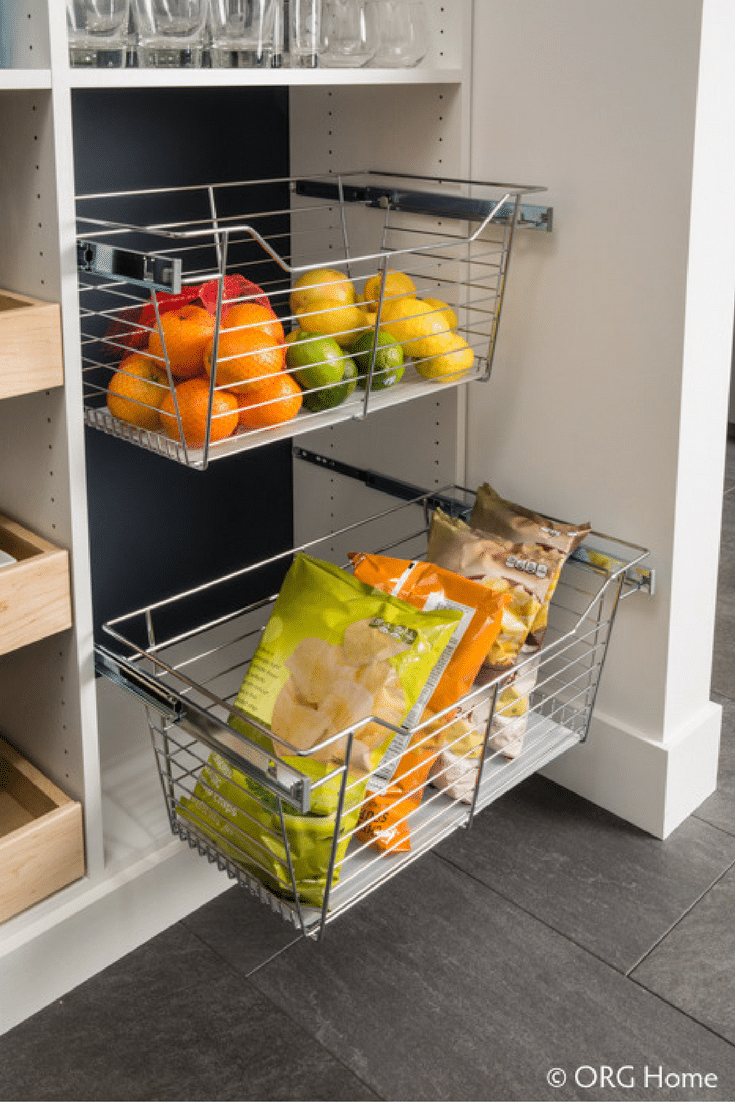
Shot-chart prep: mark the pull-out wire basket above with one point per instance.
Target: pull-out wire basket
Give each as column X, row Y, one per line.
column 231, row 798
column 145, row 254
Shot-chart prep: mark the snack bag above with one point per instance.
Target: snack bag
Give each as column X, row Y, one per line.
column 383, row 820
column 496, row 516
column 521, row 571
column 426, row 585
column 242, row 817
column 493, row 514
column 335, row 654
column 384, row 816
column 524, row 573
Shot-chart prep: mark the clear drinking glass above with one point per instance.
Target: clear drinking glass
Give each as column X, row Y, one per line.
column 403, row 33
column 349, row 33
column 242, row 33
column 304, row 33
column 98, row 32
column 171, row 33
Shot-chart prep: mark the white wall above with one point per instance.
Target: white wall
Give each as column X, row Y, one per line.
column 608, row 400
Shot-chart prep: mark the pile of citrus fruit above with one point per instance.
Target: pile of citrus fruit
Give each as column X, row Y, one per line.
column 325, row 301
column 251, row 388
column 264, row 378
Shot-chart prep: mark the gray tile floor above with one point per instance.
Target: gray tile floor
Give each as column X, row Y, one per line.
column 551, row 936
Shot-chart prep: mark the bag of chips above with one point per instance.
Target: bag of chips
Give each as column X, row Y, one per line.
column 336, row 656
column 497, row 516
column 395, row 790
column 428, row 586
column 522, row 572
column 493, row 514
column 525, row 572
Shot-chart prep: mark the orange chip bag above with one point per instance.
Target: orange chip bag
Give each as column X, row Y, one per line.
column 429, row 587
column 384, row 816
column 383, row 821
column 396, row 787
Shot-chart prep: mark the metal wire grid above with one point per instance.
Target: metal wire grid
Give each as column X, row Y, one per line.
column 196, row 750
column 455, row 262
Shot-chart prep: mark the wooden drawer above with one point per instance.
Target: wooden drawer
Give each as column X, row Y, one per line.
column 30, row 345
column 41, row 839
column 35, row 598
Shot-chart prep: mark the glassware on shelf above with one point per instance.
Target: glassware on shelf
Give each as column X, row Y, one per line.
column 243, row 33
column 304, row 33
column 171, row 33
column 99, row 33
column 349, row 36
column 403, row 34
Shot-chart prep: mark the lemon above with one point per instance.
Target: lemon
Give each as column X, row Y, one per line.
column 388, row 369
column 445, row 309
column 435, row 345
column 397, row 285
column 314, row 360
column 455, row 360
column 341, row 322
column 325, row 286
column 331, row 396
column 408, row 320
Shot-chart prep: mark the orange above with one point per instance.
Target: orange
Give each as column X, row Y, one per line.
column 186, row 333
column 255, row 316
column 270, row 402
column 243, row 357
column 192, row 396
column 136, row 391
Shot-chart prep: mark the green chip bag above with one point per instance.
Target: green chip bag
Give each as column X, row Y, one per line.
column 336, row 656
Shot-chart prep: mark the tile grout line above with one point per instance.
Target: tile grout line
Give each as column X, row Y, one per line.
column 524, row 910
column 626, row 975
column 682, row 916
column 702, row 1025
column 246, row 977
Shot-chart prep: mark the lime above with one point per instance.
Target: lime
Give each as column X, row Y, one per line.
column 314, row 360
column 330, row 396
column 388, row 367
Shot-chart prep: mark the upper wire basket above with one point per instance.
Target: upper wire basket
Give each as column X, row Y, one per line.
column 188, row 281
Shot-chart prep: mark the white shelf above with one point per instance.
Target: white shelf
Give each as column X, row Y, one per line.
column 24, row 79
column 198, row 78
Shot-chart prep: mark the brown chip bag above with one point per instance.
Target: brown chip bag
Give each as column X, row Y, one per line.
column 498, row 517
column 523, row 572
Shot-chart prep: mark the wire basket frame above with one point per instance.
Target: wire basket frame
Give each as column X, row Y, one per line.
column 242, row 807
column 200, row 251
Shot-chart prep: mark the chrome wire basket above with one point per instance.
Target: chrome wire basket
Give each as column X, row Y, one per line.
column 235, row 801
column 212, row 255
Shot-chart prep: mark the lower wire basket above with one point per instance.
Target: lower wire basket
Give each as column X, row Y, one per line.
column 233, row 800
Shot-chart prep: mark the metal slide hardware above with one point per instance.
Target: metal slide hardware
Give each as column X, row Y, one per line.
column 636, row 578
column 176, row 712
column 159, row 273
column 531, row 216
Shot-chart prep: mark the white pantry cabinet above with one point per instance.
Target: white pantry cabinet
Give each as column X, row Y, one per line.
column 595, row 408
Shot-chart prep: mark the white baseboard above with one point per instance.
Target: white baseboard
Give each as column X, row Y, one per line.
column 654, row 785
